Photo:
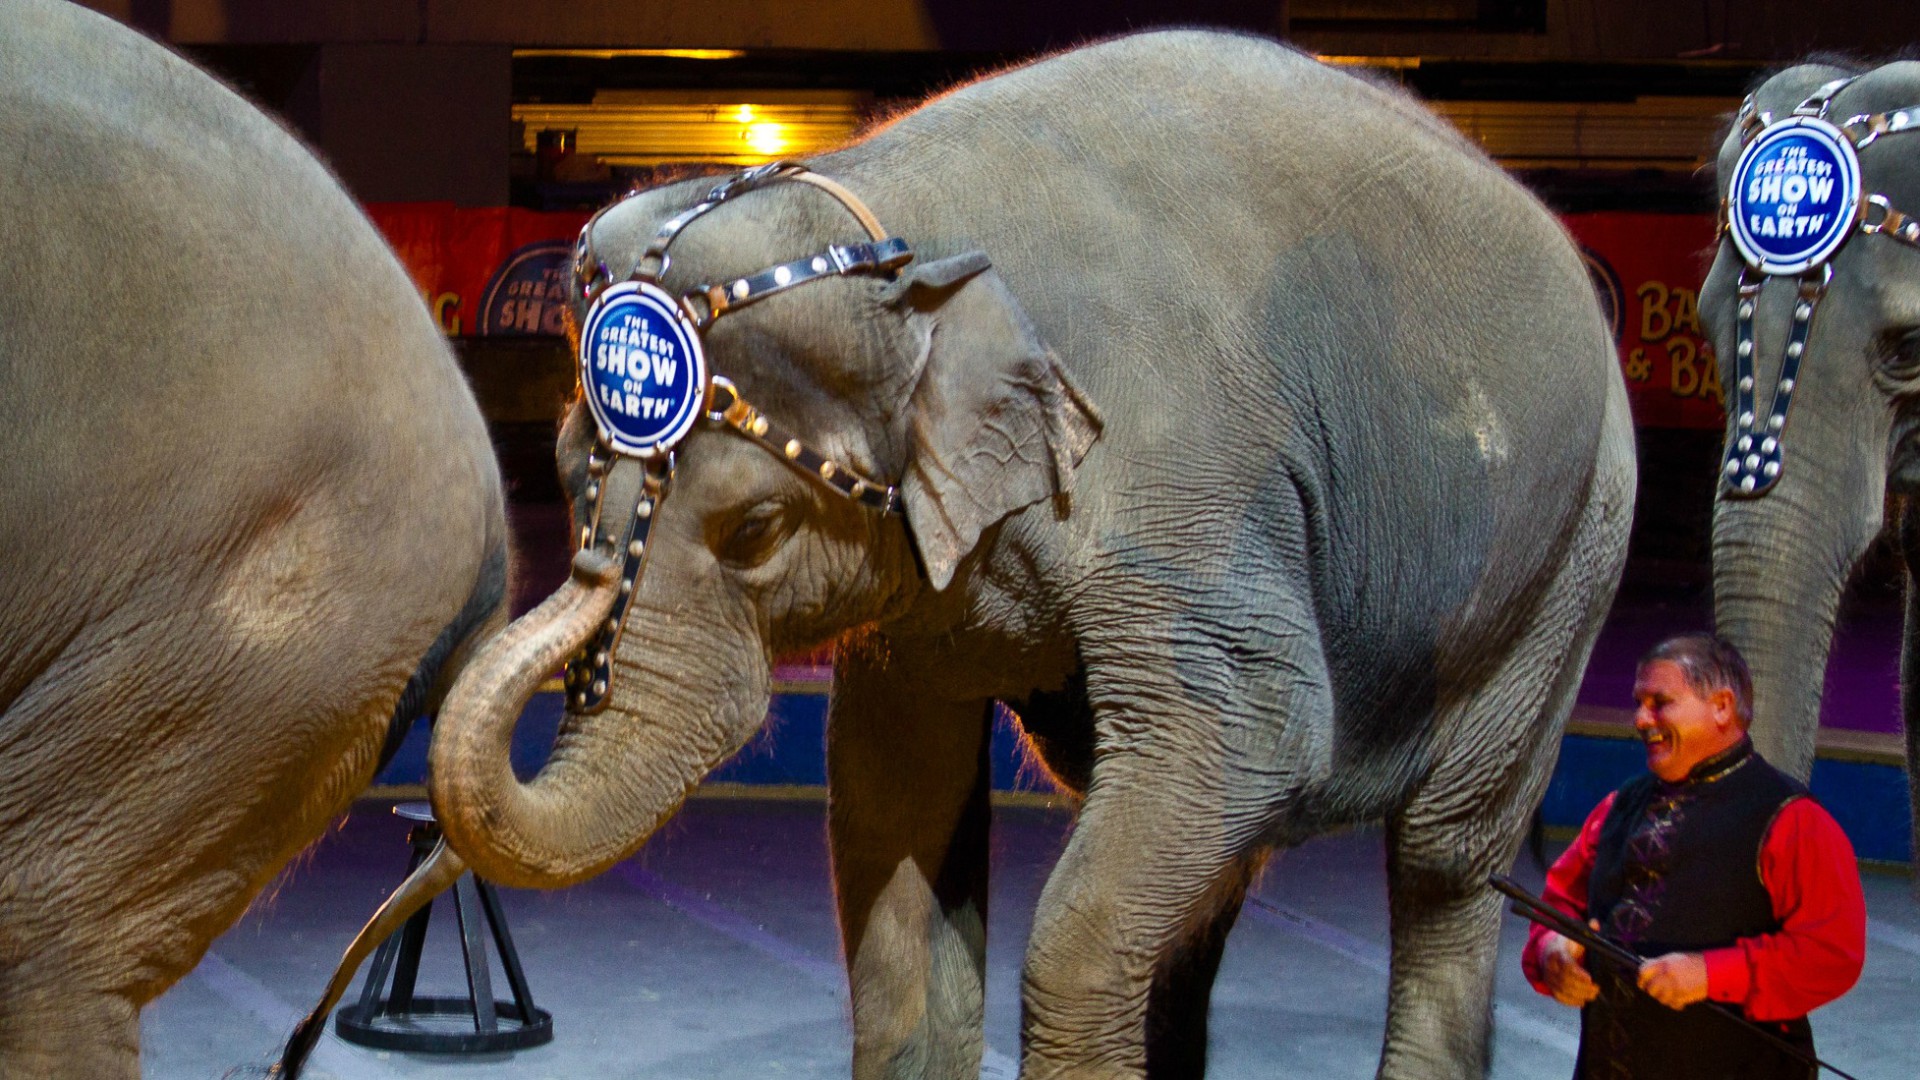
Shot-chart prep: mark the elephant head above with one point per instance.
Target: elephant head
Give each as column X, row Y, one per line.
column 1813, row 301
column 869, row 415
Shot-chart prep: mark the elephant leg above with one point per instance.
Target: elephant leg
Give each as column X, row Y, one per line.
column 55, row 1030
column 909, row 816
column 1445, row 939
column 1128, row 931
column 1466, row 820
column 1178, row 1003
column 100, row 913
column 123, row 866
column 1127, row 934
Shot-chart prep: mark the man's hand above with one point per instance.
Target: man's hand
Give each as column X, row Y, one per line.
column 1563, row 968
column 1675, row 980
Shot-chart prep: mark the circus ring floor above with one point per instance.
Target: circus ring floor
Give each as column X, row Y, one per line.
column 713, row 953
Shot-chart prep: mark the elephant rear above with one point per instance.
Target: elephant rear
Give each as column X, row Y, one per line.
column 252, row 491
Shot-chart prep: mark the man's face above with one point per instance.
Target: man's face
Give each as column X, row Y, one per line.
column 1679, row 727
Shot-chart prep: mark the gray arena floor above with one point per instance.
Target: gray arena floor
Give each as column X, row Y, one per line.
column 713, row 955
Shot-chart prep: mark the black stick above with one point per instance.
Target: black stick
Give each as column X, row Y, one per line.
column 1533, row 909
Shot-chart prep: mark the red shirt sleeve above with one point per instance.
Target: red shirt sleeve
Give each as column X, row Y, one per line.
column 1808, row 868
column 1566, row 889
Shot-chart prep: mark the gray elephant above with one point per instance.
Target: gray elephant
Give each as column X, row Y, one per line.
column 1806, row 311
column 1232, row 419
column 249, row 502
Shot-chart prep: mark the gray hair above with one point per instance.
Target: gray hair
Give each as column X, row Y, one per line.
column 1708, row 663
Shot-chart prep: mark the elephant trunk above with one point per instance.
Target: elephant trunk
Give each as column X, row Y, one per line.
column 485, row 812
column 611, row 778
column 1780, row 565
column 1910, row 669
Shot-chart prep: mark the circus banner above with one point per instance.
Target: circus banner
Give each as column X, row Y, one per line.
column 503, row 271
column 1647, row 269
column 486, row 272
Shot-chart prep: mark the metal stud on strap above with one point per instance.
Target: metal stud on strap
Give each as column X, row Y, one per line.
column 1865, row 128
column 1753, row 460
column 589, row 674
column 726, row 406
column 881, row 257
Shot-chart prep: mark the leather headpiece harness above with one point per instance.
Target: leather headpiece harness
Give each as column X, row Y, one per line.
column 634, row 323
column 1779, row 162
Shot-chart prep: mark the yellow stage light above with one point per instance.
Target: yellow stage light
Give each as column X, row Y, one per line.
column 656, row 127
column 616, row 54
column 767, row 138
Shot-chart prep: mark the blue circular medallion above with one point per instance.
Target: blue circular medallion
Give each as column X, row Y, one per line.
column 1795, row 195
column 641, row 368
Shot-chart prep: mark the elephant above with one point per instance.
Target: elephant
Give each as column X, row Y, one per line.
column 251, row 515
column 1783, row 551
column 1234, row 422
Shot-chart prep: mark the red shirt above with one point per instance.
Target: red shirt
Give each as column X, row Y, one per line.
column 1808, row 869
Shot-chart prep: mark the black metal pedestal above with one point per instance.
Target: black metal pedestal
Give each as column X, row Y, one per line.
column 439, row 1025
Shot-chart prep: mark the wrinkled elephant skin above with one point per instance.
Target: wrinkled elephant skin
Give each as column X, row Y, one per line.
column 1277, row 471
column 249, row 501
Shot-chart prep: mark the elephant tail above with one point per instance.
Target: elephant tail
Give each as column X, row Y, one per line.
column 433, row 877
column 485, row 607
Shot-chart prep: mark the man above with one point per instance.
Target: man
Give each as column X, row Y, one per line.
column 1735, row 884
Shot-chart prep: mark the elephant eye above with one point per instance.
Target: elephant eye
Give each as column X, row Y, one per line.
column 1899, row 356
column 753, row 535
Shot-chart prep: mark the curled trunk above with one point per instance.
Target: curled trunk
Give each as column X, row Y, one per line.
column 481, row 806
column 685, row 695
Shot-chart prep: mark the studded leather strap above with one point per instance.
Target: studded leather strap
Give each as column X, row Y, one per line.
column 1753, row 460
column 727, row 406
column 886, row 255
column 624, row 533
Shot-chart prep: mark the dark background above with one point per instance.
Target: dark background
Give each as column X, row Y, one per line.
column 409, row 100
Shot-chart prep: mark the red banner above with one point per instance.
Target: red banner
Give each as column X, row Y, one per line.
column 505, row 270
column 498, row 270
column 1647, row 269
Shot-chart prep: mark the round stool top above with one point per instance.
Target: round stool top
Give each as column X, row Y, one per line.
column 414, row 811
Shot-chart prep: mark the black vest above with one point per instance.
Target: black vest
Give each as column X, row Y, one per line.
column 1677, row 869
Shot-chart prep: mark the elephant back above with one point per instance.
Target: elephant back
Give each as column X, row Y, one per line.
column 1321, row 282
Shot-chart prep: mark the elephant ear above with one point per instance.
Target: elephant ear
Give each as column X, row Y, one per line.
column 994, row 421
